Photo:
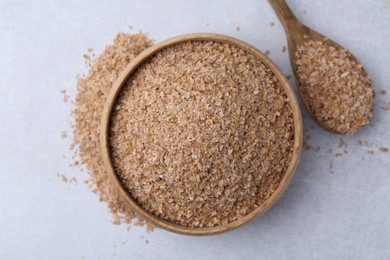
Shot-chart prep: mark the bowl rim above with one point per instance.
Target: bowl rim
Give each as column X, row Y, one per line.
column 106, row 122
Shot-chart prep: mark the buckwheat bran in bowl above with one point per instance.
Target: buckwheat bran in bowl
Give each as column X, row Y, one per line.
column 201, row 133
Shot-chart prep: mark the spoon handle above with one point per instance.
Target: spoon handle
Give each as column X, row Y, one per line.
column 285, row 15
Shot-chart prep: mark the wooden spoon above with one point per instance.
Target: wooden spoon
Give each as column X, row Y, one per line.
column 297, row 34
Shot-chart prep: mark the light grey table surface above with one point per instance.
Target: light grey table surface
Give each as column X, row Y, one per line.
column 322, row 215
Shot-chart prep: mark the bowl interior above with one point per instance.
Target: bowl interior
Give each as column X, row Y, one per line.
column 105, row 131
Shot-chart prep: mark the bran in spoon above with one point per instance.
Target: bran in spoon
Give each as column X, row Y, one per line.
column 202, row 134
column 335, row 88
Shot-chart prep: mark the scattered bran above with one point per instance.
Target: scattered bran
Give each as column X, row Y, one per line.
column 64, row 135
column 342, row 143
column 306, row 145
column 65, row 96
column 386, row 106
column 91, row 95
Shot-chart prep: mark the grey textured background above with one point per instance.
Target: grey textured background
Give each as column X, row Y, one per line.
column 322, row 215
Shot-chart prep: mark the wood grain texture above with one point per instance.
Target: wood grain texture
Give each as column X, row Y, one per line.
column 297, row 33
column 105, row 131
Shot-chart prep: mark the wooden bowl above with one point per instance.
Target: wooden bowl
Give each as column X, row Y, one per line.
column 105, row 131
